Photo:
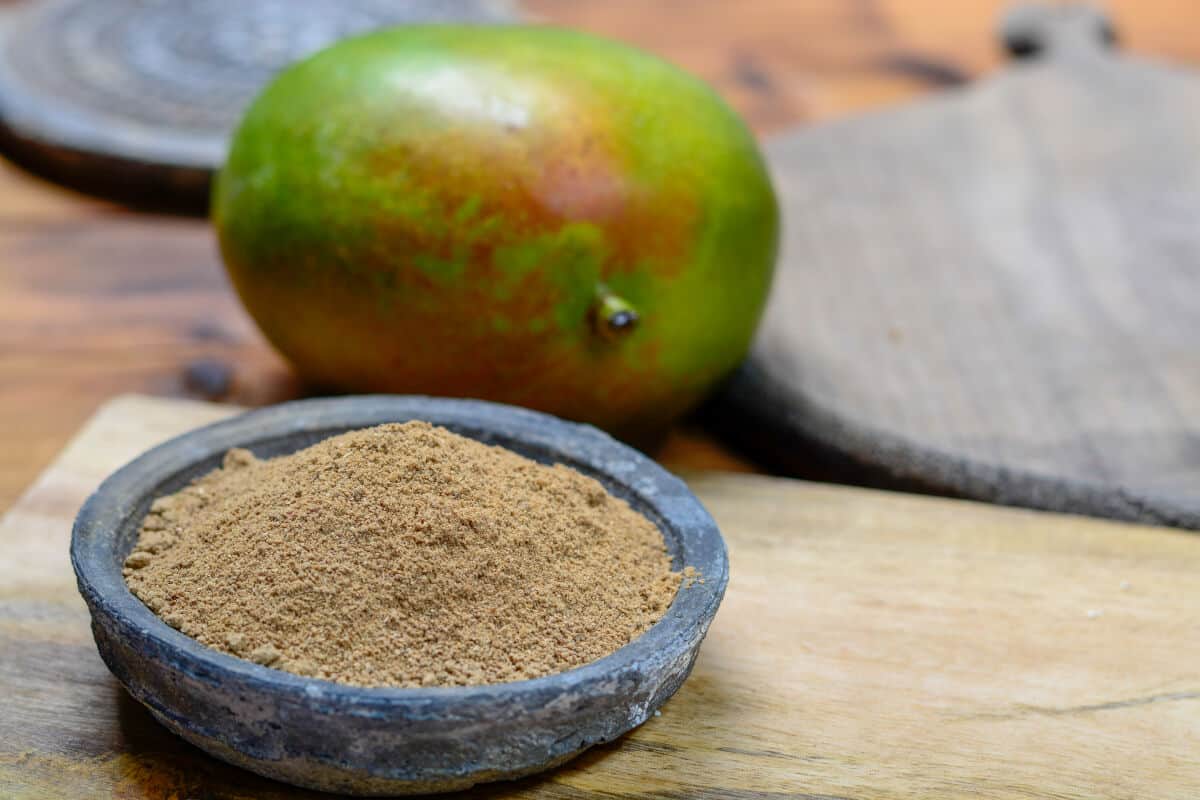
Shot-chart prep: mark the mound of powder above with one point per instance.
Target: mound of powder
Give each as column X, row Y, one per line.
column 402, row 555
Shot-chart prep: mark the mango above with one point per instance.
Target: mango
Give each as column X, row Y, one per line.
column 523, row 214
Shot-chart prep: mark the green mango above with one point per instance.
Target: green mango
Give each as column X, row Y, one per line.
column 523, row 214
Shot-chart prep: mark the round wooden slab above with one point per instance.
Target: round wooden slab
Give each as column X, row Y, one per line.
column 132, row 97
column 995, row 294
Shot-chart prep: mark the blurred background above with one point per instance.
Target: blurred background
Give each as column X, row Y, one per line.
column 97, row 298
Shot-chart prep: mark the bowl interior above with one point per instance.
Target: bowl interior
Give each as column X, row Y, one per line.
column 287, row 443
column 107, row 527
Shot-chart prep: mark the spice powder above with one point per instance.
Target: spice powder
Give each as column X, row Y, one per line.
column 402, row 555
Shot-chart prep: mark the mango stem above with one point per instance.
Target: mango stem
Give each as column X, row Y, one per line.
column 612, row 316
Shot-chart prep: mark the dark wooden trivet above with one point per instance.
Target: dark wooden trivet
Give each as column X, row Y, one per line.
column 995, row 294
column 136, row 98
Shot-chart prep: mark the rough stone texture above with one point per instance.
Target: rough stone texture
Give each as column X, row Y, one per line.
column 327, row 736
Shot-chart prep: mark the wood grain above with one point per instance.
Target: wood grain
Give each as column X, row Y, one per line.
column 993, row 294
column 96, row 299
column 871, row 647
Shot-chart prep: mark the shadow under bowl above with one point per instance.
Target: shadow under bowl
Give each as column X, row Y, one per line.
column 375, row 741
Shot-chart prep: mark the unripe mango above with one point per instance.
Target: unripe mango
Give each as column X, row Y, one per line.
column 523, row 214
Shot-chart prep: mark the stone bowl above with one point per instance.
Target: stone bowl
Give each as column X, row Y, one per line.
column 376, row 741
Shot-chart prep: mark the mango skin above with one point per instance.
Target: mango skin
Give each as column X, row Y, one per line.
column 436, row 209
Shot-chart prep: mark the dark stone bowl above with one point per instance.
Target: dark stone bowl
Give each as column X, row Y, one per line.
column 339, row 738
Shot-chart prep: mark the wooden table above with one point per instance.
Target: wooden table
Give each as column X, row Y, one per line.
column 96, row 299
column 871, row 645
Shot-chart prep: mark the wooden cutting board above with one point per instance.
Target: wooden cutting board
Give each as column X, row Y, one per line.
column 995, row 293
column 871, row 645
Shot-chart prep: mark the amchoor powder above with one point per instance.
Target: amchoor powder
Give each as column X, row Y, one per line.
column 402, row 555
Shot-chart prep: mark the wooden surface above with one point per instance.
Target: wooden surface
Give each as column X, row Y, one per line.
column 871, row 645
column 995, row 293
column 96, row 299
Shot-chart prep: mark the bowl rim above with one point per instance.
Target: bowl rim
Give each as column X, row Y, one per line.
column 680, row 515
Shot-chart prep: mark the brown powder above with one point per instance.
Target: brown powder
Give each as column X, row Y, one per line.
column 402, row 555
